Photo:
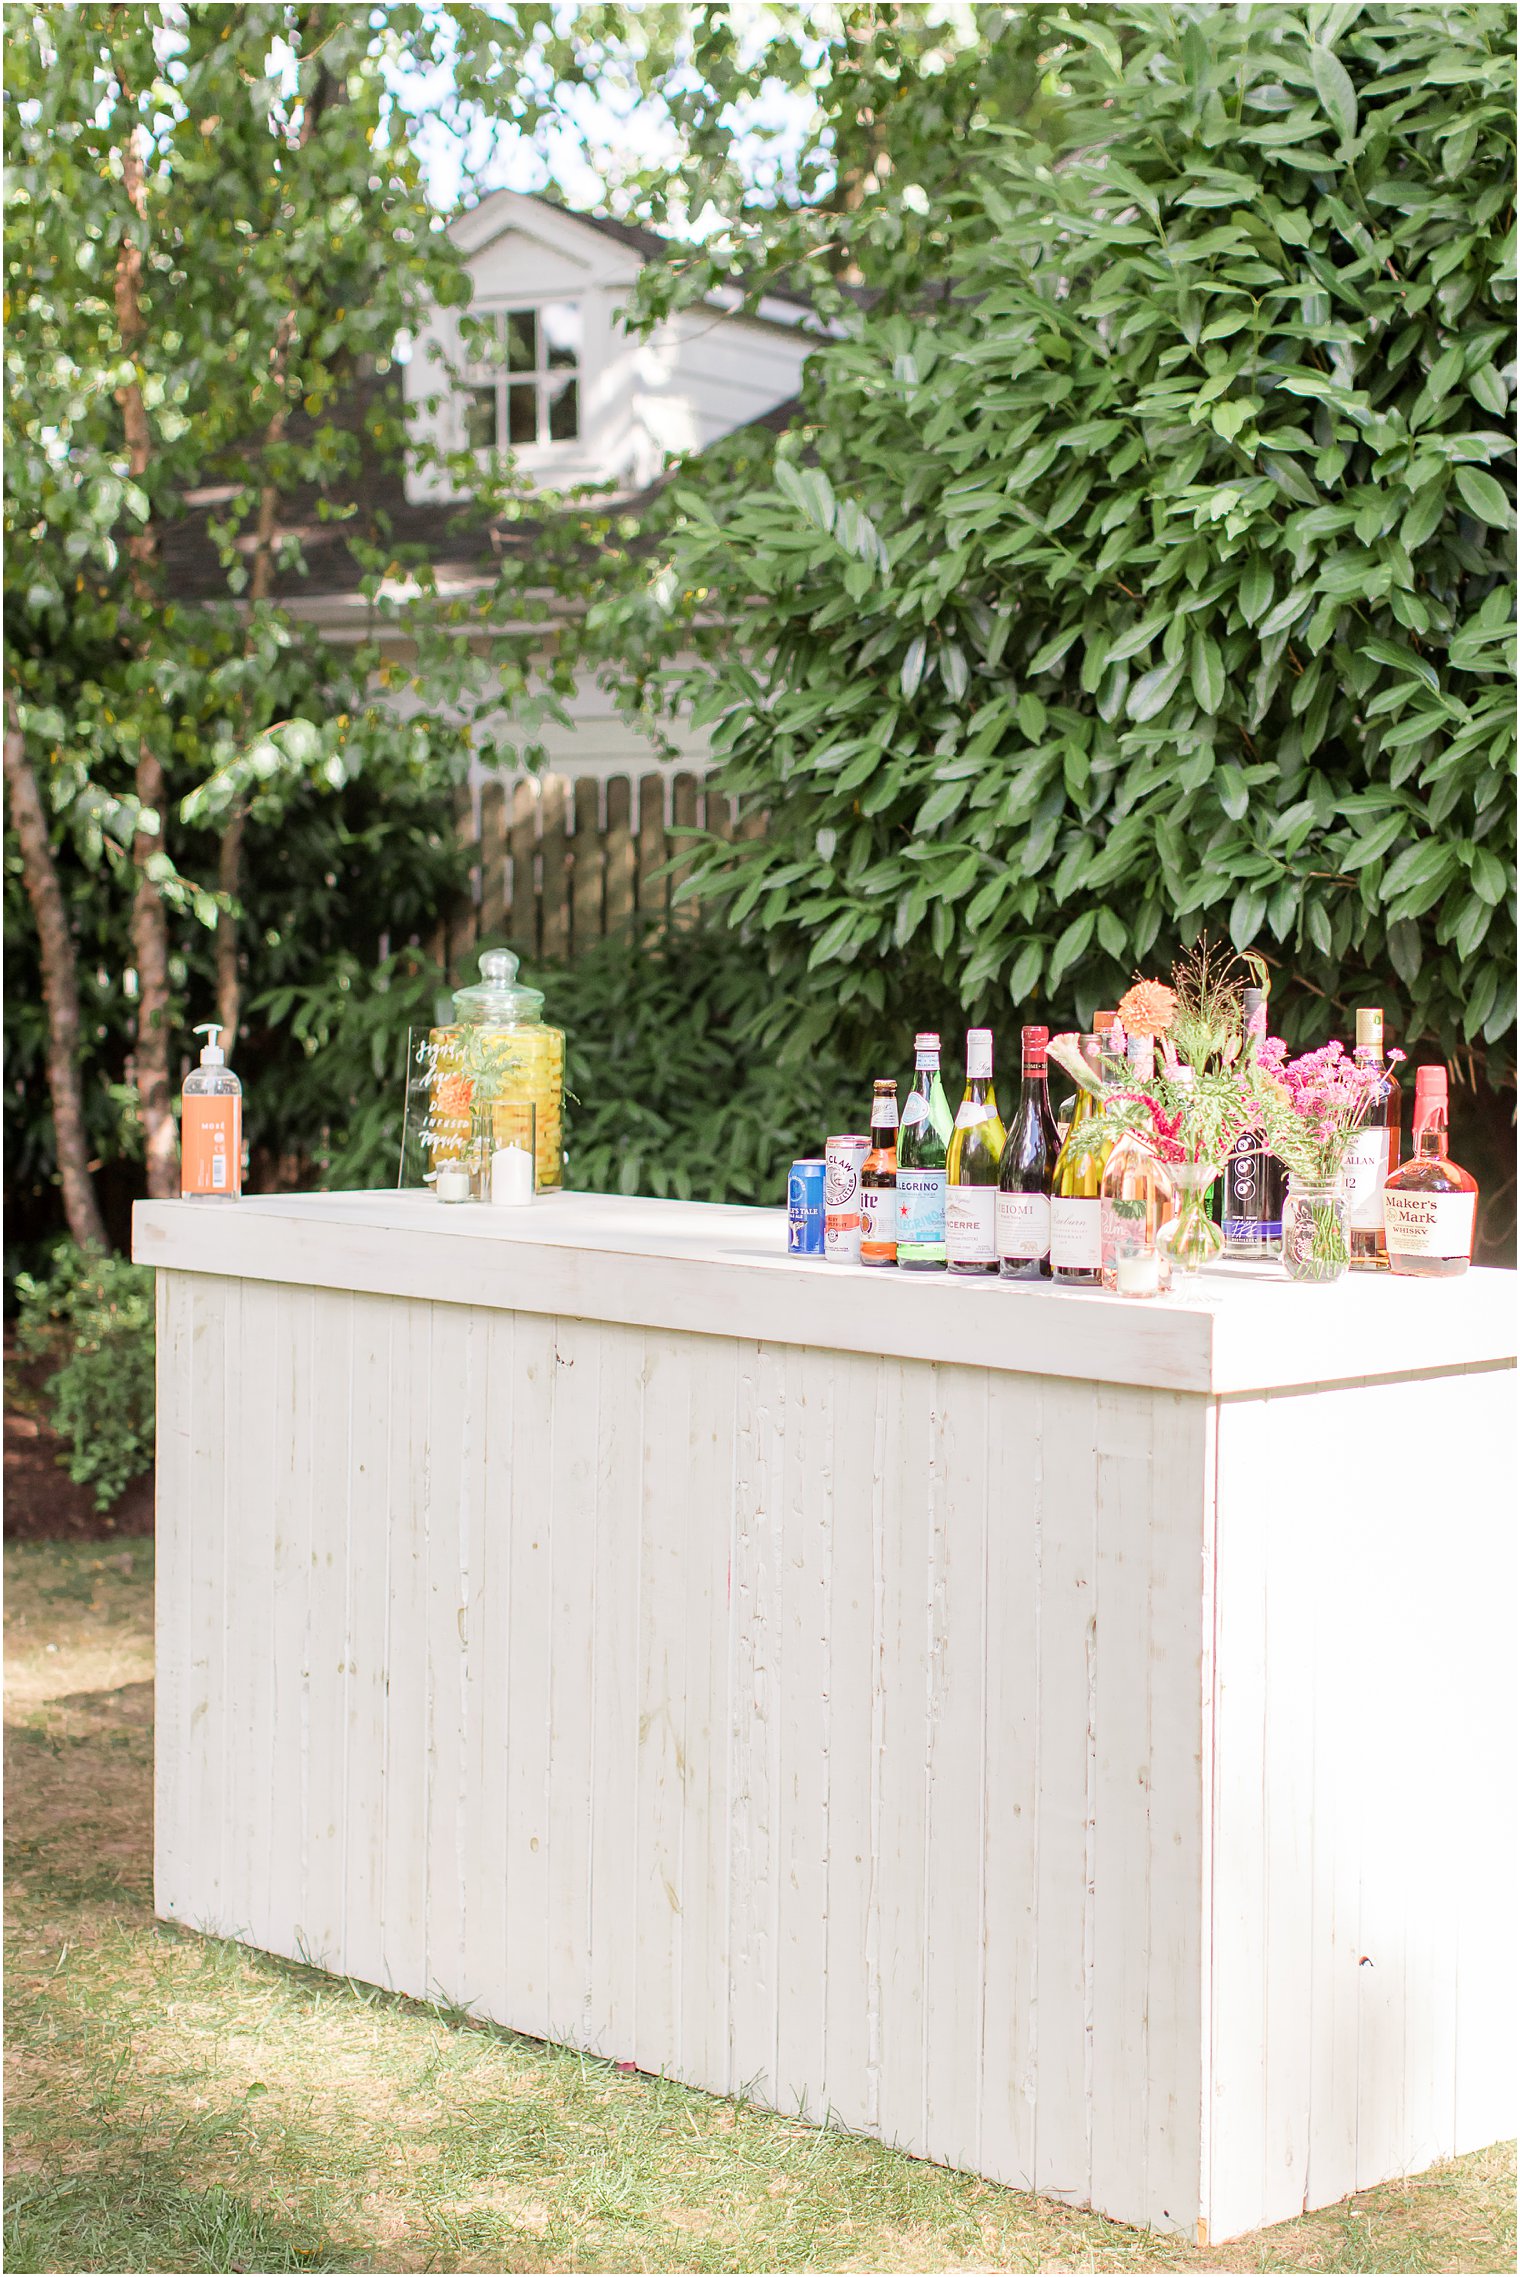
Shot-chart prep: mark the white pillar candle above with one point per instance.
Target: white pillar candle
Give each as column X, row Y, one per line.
column 1139, row 1277
column 511, row 1175
column 453, row 1182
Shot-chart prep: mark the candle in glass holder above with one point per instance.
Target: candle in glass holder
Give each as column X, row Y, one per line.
column 512, row 1152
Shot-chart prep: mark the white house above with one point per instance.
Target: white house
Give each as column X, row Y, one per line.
column 575, row 396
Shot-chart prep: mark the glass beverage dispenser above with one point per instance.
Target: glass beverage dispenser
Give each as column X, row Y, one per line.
column 498, row 1053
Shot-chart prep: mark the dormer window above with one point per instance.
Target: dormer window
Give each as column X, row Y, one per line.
column 532, row 393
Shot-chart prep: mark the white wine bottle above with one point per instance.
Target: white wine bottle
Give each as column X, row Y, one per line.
column 1076, row 1191
column 971, row 1168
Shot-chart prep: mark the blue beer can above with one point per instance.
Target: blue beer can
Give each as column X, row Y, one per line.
column 804, row 1209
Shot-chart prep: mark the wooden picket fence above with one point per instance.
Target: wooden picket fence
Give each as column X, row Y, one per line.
column 560, row 864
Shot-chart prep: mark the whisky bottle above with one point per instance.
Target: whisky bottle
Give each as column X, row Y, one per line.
column 1430, row 1206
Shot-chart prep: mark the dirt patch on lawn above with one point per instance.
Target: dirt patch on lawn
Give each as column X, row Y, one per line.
column 42, row 1503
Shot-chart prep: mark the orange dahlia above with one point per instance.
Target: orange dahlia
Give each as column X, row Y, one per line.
column 1147, row 1008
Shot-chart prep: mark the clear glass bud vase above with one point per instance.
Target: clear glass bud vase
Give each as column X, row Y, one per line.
column 1316, row 1231
column 1190, row 1239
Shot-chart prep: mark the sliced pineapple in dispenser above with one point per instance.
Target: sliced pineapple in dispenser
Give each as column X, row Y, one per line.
column 502, row 1049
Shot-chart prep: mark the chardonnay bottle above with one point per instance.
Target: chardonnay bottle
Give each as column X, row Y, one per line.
column 1029, row 1160
column 971, row 1170
column 1076, row 1205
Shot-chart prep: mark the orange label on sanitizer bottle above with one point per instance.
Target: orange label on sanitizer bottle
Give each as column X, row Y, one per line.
column 211, row 1144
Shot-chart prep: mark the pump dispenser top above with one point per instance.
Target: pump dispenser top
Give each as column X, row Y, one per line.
column 212, row 1054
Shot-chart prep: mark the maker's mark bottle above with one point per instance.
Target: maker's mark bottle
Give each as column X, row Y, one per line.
column 1430, row 1206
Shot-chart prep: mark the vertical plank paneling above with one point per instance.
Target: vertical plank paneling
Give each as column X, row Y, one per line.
column 289, row 1769
column 610, row 2019
column 494, row 857
column 370, row 1508
column 586, row 924
column 652, row 848
column 529, row 1676
column 485, row 1923
column 1068, row 1639
column 683, row 818
column 620, row 858
column 251, row 1674
column 403, row 1917
column 1181, row 1548
column 173, row 1826
column 707, row 1509
column 522, row 911
column 1015, row 1535
column 1122, row 1897
column 454, row 1419
column 1292, row 1528
column 662, row 1703
column 572, row 1670
column 759, row 1491
column 848, row 1995
column 954, row 1928
column 554, row 867
column 803, row 1720
column 327, row 1627
column 913, row 1393
column 206, row 1693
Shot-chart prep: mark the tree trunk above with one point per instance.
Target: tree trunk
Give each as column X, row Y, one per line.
column 229, row 983
column 60, row 990
column 150, row 921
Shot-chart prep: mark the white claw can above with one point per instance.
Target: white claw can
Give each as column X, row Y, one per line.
column 843, row 1161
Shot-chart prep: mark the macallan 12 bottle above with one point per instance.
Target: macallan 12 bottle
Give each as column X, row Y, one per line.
column 1430, row 1206
column 1373, row 1152
column 878, row 1179
column 971, row 1167
column 1028, row 1166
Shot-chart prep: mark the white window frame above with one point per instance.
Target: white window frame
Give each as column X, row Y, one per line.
column 498, row 377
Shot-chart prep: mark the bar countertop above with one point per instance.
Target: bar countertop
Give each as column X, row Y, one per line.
column 723, row 1270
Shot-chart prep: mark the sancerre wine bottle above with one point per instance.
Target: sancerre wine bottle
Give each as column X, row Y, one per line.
column 1430, row 1206
column 922, row 1144
column 1026, row 1171
column 878, row 1179
column 971, row 1168
column 1374, row 1150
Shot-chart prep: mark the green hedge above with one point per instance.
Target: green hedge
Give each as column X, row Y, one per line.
column 1165, row 578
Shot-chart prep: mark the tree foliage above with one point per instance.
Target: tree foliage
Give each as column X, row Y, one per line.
column 1166, row 577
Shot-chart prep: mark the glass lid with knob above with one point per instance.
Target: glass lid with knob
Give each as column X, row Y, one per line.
column 497, row 999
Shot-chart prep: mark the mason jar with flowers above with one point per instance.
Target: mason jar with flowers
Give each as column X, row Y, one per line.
column 1309, row 1109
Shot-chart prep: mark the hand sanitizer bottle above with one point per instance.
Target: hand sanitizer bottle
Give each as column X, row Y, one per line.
column 211, row 1126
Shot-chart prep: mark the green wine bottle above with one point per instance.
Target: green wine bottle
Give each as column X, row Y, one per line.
column 976, row 1150
column 923, row 1141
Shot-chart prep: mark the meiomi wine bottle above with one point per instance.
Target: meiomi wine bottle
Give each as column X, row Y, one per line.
column 1026, row 1171
column 1430, row 1206
column 1373, row 1153
column 971, row 1170
column 878, row 1179
column 923, row 1142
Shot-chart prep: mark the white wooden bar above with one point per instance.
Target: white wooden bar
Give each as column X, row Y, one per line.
column 1067, row 1738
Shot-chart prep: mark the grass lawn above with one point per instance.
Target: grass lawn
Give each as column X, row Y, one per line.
column 179, row 2103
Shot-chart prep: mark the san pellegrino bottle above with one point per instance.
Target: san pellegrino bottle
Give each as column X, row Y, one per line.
column 971, row 1171
column 1374, row 1150
column 1430, row 1206
column 1076, row 1209
column 878, row 1179
column 923, row 1142
column 1026, row 1171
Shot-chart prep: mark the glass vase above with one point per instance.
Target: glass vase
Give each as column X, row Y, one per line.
column 1190, row 1239
column 1316, row 1231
